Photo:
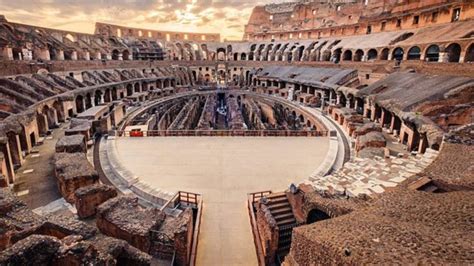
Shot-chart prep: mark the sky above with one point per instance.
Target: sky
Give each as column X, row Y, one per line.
column 226, row 17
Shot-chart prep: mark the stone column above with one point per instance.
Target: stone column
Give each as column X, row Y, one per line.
column 7, row 53
column 443, row 57
column 60, row 55
column 74, row 55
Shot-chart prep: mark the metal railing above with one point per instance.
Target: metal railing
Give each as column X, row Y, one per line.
column 221, row 133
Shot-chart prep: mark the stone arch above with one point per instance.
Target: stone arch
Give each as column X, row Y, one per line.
column 372, row 55
column 221, row 54
column 414, row 53
column 68, row 55
column 298, row 53
column 336, row 55
column 59, row 111
column 243, row 56
column 115, row 54
column 114, row 94
column 326, row 55
column 397, row 54
column 453, row 52
column 359, row 54
column 50, row 117
column 126, row 55
column 384, row 54
column 107, row 95
column 129, row 89
column 273, row 52
column 432, row 53
column 80, row 103
column 98, row 96
column 316, row 215
column 252, row 51
column 136, row 87
column 347, row 55
column 470, row 53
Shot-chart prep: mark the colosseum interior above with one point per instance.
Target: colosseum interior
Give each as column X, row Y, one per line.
column 333, row 133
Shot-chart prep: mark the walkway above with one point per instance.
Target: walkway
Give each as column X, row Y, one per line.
column 223, row 170
column 35, row 183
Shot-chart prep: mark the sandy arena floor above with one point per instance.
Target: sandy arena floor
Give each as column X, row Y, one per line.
column 223, row 170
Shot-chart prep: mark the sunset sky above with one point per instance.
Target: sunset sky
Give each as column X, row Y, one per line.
column 227, row 17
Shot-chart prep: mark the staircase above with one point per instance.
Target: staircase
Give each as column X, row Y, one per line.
column 280, row 209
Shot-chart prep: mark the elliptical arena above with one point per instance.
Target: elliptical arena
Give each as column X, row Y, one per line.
column 320, row 138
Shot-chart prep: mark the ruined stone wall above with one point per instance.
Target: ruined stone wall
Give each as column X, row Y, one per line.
column 109, row 30
column 268, row 232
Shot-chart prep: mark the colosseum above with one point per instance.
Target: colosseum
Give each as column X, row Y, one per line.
column 332, row 132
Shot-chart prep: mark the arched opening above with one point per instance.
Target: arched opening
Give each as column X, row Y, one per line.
column 15, row 153
column 49, row 116
column 347, row 55
column 126, row 55
column 384, row 54
column 359, row 54
column 98, row 97
column 398, row 54
column 326, row 56
column 42, row 124
column 372, row 55
column 236, row 56
column 414, row 53
column 252, row 50
column 68, row 55
column 79, row 104
column 290, row 54
column 107, row 96
column 243, row 56
column 299, row 54
column 17, row 54
column 454, row 52
column 59, row 111
column 114, row 94
column 129, row 89
column 316, row 215
column 137, row 87
column 470, row 54
column 221, row 54
column 337, row 55
column 432, row 53
column 115, row 55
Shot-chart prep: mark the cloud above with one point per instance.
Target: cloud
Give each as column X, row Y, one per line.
column 216, row 16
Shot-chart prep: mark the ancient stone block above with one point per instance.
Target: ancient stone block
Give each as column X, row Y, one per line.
column 122, row 217
column 72, row 144
column 36, row 248
column 122, row 252
column 372, row 139
column 175, row 236
column 366, row 128
column 73, row 171
column 89, row 197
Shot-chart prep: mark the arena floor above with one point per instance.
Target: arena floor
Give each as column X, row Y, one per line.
column 223, row 170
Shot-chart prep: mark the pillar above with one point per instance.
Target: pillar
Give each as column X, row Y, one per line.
column 8, row 161
column 60, row 55
column 7, row 53
column 443, row 57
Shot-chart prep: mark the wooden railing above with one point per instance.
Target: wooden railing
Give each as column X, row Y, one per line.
column 183, row 198
column 221, row 133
